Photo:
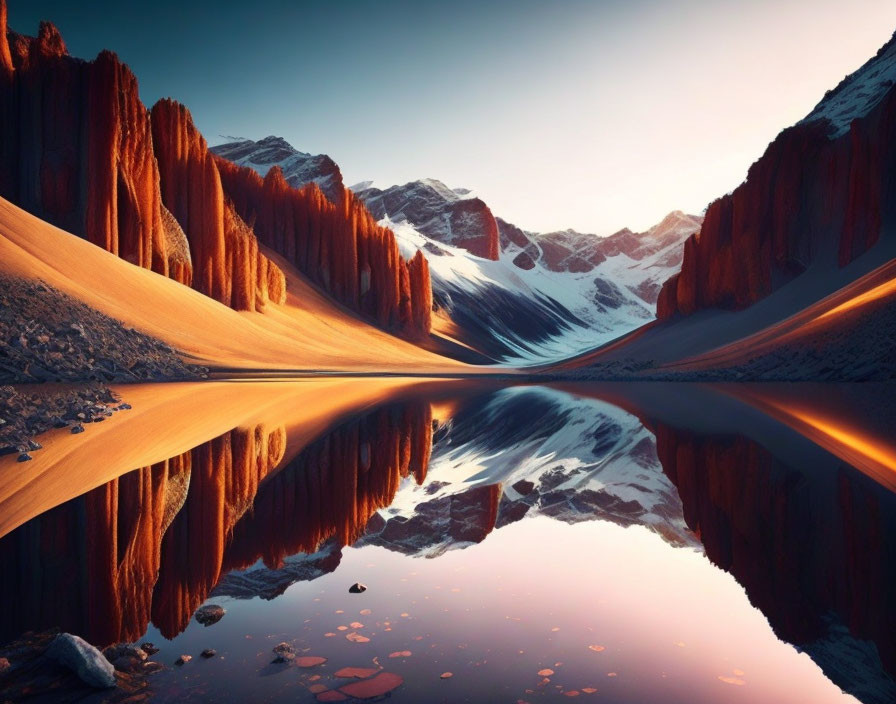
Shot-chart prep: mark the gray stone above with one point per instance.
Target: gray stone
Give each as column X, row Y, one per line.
column 209, row 614
column 82, row 658
column 357, row 588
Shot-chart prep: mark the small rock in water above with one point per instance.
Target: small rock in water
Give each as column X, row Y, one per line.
column 357, row 588
column 125, row 657
column 150, row 666
column 209, row 653
column 183, row 660
column 24, row 457
column 284, row 652
column 82, row 658
column 77, row 429
column 210, row 614
column 4, row 665
column 149, row 648
column 446, row 675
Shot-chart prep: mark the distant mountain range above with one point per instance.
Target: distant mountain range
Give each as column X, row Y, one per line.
column 511, row 294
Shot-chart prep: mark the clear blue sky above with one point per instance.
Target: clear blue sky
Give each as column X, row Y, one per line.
column 592, row 115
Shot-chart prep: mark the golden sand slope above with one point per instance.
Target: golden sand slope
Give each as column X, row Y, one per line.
column 309, row 332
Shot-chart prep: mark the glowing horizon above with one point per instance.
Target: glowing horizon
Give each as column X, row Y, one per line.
column 589, row 115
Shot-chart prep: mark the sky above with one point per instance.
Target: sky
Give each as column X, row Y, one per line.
column 567, row 114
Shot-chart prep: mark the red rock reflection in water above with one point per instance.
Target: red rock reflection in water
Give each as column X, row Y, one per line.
column 152, row 544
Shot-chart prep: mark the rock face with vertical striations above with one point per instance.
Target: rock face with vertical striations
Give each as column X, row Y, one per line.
column 338, row 246
column 162, row 537
column 80, row 150
column 823, row 193
column 227, row 265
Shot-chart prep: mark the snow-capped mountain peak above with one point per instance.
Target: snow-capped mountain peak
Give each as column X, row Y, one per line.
column 858, row 93
column 299, row 168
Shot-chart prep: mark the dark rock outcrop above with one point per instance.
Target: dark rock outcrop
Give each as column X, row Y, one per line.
column 46, row 335
column 823, row 193
column 82, row 658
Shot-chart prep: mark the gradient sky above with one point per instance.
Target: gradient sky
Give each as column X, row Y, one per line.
column 592, row 115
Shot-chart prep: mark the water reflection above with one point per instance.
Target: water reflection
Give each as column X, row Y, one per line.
column 428, row 471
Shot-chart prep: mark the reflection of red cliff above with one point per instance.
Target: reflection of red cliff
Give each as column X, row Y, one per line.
column 335, row 485
column 802, row 545
column 106, row 597
column 225, row 477
column 105, row 567
column 808, row 199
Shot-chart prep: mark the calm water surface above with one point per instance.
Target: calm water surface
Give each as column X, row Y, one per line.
column 623, row 544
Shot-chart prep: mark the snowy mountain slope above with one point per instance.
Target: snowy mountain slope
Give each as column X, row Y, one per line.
column 298, row 167
column 525, row 315
column 551, row 454
column 451, row 216
column 520, row 316
column 858, row 93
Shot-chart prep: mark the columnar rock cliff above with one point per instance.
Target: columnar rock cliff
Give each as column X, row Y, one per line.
column 330, row 491
column 338, row 245
column 226, row 262
column 79, row 149
column 823, row 193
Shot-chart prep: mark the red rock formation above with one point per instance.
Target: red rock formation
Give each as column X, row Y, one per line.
column 6, row 68
column 103, row 593
column 809, row 200
column 227, row 265
column 338, row 246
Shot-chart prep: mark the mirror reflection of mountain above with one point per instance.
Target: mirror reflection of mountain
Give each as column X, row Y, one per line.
column 437, row 468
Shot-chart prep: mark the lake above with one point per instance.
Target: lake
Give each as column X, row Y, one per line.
column 615, row 542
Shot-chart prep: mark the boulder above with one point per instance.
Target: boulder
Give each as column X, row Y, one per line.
column 82, row 658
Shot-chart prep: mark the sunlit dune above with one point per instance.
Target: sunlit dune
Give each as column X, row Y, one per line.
column 309, row 332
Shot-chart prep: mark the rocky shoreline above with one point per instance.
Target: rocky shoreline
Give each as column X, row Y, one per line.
column 48, row 336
